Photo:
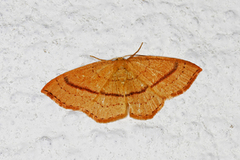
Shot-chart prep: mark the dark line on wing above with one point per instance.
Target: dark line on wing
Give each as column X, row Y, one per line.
column 132, row 93
column 121, row 95
column 103, row 93
column 78, row 87
column 112, row 94
column 166, row 75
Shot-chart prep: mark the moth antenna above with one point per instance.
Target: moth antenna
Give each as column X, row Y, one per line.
column 97, row 58
column 136, row 51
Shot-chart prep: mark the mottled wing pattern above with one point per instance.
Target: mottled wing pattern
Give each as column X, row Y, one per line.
column 81, row 89
column 156, row 79
column 143, row 103
column 104, row 90
column 111, row 97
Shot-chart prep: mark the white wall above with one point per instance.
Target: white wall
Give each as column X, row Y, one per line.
column 43, row 39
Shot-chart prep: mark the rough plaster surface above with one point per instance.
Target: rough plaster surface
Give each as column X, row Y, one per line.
column 43, row 39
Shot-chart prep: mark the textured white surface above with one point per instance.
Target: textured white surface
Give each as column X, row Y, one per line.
column 43, row 39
